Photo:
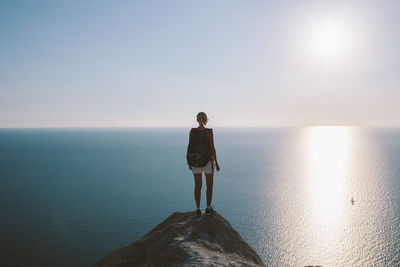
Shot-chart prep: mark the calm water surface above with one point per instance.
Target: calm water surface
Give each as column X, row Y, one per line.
column 70, row 196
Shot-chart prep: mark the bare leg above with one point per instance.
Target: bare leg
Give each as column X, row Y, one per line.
column 210, row 184
column 198, row 180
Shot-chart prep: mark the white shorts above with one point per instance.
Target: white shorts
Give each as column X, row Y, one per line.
column 209, row 168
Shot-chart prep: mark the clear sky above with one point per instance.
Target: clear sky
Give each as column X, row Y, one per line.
column 158, row 63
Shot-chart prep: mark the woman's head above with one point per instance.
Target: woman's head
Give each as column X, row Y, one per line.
column 202, row 119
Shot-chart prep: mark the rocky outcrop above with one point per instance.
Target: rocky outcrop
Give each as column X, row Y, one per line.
column 187, row 239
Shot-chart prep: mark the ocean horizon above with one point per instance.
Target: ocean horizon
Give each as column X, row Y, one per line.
column 69, row 196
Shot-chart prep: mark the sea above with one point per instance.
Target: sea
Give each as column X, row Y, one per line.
column 320, row 195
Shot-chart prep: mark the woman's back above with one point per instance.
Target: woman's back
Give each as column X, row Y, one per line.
column 199, row 149
column 198, row 135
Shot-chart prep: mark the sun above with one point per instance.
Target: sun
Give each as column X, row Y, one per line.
column 328, row 41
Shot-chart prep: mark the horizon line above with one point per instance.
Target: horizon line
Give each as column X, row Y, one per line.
column 222, row 126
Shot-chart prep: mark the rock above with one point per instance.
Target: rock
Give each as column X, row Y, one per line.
column 187, row 239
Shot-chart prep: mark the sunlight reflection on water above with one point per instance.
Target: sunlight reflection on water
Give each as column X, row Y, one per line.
column 329, row 154
column 318, row 225
column 328, row 159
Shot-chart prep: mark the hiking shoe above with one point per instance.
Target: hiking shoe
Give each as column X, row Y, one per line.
column 210, row 210
column 199, row 212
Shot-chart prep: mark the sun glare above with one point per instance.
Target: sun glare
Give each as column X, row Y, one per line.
column 328, row 41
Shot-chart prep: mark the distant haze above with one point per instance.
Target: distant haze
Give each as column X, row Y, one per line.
column 158, row 63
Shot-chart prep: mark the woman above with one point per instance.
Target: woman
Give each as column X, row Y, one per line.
column 202, row 157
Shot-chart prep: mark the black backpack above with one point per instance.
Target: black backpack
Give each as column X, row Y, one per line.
column 198, row 152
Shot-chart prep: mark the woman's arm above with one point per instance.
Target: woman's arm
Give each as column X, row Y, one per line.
column 213, row 151
column 190, row 139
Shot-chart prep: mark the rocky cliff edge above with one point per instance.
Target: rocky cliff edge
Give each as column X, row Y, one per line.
column 186, row 239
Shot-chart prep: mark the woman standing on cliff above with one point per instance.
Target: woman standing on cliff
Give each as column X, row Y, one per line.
column 202, row 157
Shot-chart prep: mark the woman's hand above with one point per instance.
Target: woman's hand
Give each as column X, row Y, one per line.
column 217, row 166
